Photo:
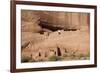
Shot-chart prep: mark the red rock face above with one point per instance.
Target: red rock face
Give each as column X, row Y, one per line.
column 43, row 44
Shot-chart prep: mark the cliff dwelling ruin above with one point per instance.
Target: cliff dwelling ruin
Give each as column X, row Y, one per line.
column 54, row 36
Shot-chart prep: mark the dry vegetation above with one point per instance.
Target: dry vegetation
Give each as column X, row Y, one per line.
column 54, row 36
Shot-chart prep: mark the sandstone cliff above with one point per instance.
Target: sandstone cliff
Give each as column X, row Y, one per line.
column 54, row 35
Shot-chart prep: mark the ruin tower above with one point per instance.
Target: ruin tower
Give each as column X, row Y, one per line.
column 58, row 51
